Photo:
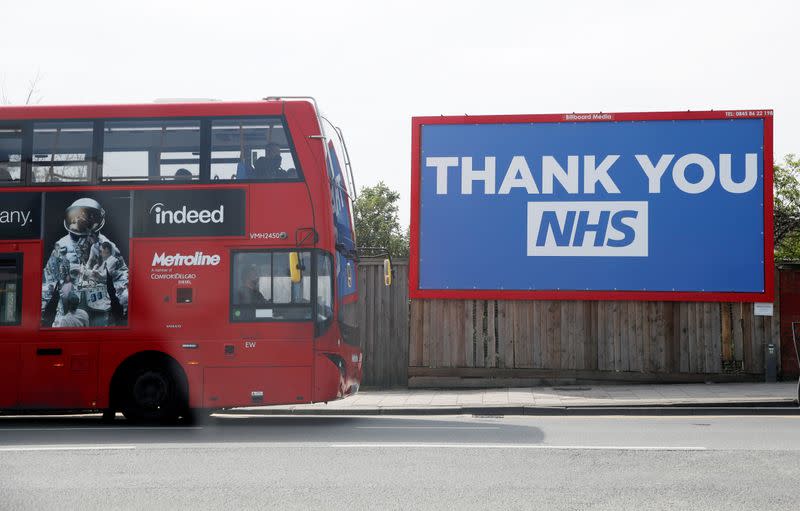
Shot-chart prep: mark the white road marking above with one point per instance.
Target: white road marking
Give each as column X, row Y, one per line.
column 28, row 448
column 428, row 427
column 107, row 428
column 343, row 445
column 519, row 446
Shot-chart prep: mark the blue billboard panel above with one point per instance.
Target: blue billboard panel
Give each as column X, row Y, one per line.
column 641, row 206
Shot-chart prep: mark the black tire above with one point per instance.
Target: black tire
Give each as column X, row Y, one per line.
column 152, row 395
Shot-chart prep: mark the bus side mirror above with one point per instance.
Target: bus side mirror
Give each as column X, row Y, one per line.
column 295, row 269
column 387, row 272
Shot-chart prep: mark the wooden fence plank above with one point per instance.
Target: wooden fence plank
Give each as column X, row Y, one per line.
column 747, row 337
column 737, row 331
column 578, row 335
column 683, row 328
column 555, row 321
column 506, row 325
column 701, row 338
column 691, row 329
column 614, row 354
column 563, row 339
column 708, row 344
column 468, row 317
column 623, row 362
column 726, row 332
column 715, row 365
column 672, row 354
column 599, row 327
column 540, row 332
column 524, row 334
column 589, row 341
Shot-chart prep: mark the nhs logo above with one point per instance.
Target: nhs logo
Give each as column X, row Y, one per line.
column 581, row 229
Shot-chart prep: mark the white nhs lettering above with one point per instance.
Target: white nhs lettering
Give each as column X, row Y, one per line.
column 581, row 229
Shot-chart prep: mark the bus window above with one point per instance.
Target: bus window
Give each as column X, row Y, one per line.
column 251, row 149
column 10, row 155
column 10, row 289
column 62, row 151
column 324, row 288
column 162, row 150
column 262, row 287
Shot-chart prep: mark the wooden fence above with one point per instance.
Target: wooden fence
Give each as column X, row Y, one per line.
column 480, row 342
column 583, row 340
column 383, row 323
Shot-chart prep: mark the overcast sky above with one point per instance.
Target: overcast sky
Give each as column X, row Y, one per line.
column 374, row 65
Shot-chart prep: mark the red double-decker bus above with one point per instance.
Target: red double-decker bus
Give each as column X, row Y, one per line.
column 161, row 258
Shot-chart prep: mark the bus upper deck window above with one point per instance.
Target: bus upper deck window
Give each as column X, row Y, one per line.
column 157, row 150
column 251, row 149
column 62, row 151
column 10, row 155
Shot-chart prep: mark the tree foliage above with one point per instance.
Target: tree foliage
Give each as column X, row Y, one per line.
column 787, row 208
column 376, row 220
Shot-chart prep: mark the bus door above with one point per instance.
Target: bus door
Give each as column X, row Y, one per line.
column 58, row 374
column 58, row 367
column 10, row 324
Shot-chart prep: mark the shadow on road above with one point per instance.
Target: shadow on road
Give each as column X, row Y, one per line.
column 90, row 429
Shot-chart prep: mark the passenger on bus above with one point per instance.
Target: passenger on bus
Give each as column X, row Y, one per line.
column 248, row 293
column 183, row 175
column 259, row 169
column 269, row 166
column 243, row 169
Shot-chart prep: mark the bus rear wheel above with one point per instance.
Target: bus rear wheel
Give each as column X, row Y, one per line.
column 152, row 395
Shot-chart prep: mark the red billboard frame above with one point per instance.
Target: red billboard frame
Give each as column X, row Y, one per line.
column 689, row 296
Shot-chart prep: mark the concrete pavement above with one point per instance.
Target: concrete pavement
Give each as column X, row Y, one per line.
column 536, row 400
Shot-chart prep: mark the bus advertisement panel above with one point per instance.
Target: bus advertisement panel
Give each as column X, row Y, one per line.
column 664, row 206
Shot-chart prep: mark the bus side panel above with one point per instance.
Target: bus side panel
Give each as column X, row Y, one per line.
column 270, row 356
column 9, row 374
column 243, row 386
column 59, row 375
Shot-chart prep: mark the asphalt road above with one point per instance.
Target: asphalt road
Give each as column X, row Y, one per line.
column 269, row 462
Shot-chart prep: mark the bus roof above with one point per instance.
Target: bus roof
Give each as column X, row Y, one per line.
column 211, row 108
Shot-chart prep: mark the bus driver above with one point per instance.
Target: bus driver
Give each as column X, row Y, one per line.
column 248, row 292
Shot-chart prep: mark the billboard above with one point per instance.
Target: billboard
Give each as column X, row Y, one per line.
column 637, row 206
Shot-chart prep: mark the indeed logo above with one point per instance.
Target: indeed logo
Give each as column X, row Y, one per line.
column 610, row 229
column 185, row 215
column 196, row 259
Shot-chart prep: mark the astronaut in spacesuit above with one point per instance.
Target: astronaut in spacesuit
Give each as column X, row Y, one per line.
column 93, row 267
